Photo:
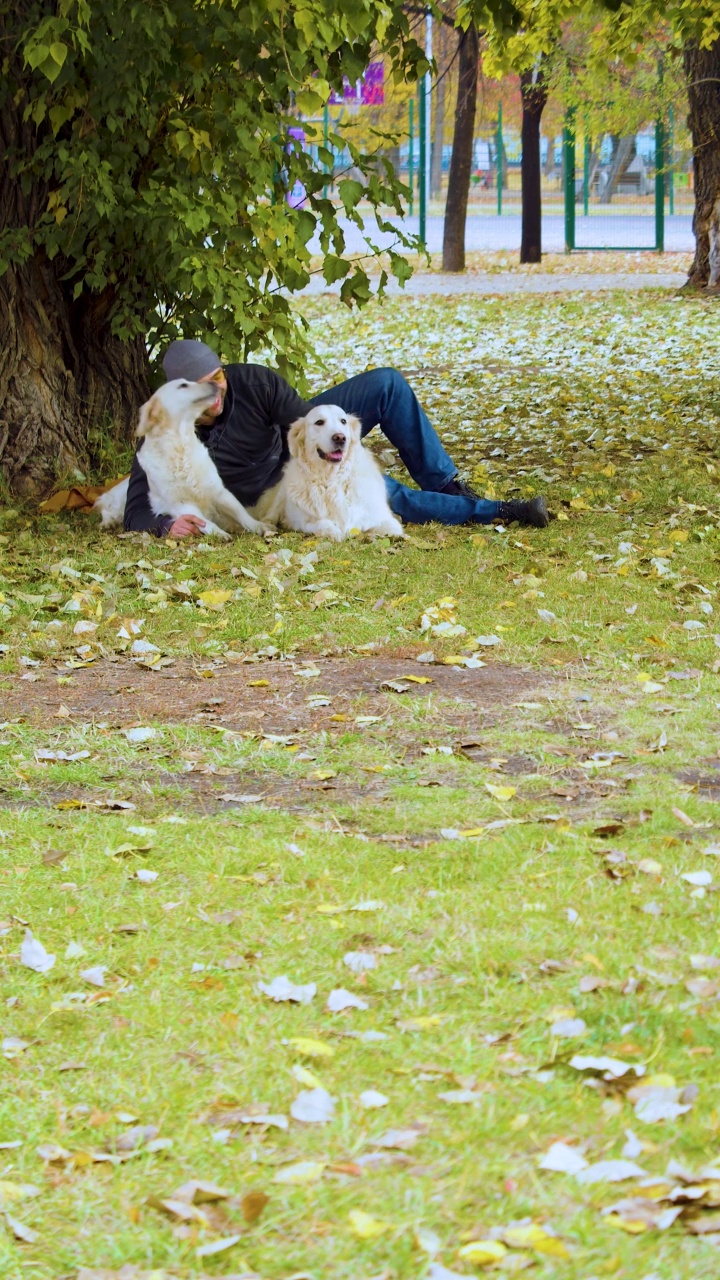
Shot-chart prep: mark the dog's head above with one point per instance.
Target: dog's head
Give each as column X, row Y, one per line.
column 175, row 401
column 325, row 439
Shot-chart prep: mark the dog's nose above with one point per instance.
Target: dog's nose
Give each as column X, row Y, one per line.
column 339, row 439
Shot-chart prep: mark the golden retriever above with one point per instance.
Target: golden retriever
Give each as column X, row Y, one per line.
column 330, row 484
column 182, row 477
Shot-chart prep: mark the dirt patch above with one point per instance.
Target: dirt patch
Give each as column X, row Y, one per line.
column 119, row 693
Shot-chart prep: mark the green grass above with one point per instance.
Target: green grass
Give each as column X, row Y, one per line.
column 576, row 397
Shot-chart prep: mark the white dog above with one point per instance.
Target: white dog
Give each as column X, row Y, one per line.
column 182, row 477
column 331, row 484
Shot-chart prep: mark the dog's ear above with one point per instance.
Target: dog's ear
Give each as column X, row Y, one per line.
column 355, row 426
column 296, row 437
column 152, row 416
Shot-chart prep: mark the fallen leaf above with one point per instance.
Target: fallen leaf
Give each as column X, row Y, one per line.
column 313, row 1106
column 500, row 793
column 483, row 1252
column 282, row 989
column 365, row 1227
column 610, row 1171
column 560, row 1158
column 225, row 1242
column 340, row 999
column 34, row 956
column 301, row 1174
column 312, row 1048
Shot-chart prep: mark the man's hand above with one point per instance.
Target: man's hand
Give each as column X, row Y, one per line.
column 186, row 527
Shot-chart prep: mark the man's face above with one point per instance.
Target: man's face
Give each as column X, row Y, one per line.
column 220, row 382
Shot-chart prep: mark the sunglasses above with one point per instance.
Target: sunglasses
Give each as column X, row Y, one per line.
column 218, row 376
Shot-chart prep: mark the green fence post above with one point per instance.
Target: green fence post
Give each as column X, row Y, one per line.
column 499, row 147
column 586, row 172
column 569, row 168
column 411, row 151
column 422, row 193
column 659, row 186
column 671, row 157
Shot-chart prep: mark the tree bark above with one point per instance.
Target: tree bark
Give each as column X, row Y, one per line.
column 702, row 73
column 64, row 378
column 462, row 153
column 534, row 96
column 65, row 381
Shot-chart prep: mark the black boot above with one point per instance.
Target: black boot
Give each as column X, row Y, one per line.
column 534, row 513
column 459, row 489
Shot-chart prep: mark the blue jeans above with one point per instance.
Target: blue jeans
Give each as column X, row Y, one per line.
column 383, row 398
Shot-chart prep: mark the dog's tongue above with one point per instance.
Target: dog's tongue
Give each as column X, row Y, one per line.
column 216, row 405
column 335, row 456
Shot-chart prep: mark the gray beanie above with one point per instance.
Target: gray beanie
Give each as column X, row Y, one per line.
column 189, row 359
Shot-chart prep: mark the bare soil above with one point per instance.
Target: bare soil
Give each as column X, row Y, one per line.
column 119, row 693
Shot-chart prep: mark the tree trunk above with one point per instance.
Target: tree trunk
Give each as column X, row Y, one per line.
column 438, row 122
column 549, row 166
column 702, row 73
column 534, row 96
column 625, row 150
column 462, row 153
column 64, row 378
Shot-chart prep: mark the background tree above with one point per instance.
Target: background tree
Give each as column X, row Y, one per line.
column 534, row 90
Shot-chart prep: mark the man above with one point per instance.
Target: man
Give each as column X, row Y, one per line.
column 245, row 434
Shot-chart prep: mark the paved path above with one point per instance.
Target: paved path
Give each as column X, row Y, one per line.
column 489, row 233
column 427, row 283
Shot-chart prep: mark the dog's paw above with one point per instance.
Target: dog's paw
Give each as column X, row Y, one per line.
column 267, row 529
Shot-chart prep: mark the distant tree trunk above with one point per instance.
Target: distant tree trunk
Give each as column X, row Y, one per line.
column 549, row 166
column 438, row 123
column 702, row 73
column 462, row 152
column 624, row 152
column 534, row 96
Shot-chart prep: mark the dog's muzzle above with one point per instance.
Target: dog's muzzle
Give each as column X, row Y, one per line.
column 338, row 453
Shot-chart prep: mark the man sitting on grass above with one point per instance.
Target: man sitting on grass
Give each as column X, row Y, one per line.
column 245, row 434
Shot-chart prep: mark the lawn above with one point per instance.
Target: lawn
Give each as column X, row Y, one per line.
column 462, row 790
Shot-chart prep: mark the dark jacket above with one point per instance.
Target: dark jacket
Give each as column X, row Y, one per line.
column 247, row 442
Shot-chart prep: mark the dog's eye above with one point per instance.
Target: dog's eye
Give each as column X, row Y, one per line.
column 184, row 384
column 320, row 422
column 343, row 422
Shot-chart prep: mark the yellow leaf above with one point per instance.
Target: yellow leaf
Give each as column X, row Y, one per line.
column 258, row 684
column 322, row 775
column 501, row 793
column 633, row 1226
column 215, row 599
column 303, row 1076
column 579, row 504
column 422, row 1023
column 483, row 1252
column 312, row 1048
column 534, row 1237
column 14, row 1192
column 364, row 1226
column 472, row 831
column 419, row 679
column 678, row 535
column 650, row 867
column 329, row 909
column 558, row 1012
column 454, row 660
column 300, row 1174
column 341, row 718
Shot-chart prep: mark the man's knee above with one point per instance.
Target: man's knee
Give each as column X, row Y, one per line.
column 392, row 380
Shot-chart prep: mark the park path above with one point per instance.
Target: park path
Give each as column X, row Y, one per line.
column 427, row 283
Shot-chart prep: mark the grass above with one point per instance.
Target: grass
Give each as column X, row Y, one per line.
column 609, row 404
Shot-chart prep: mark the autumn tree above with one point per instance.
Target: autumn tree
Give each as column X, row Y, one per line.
column 145, row 163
